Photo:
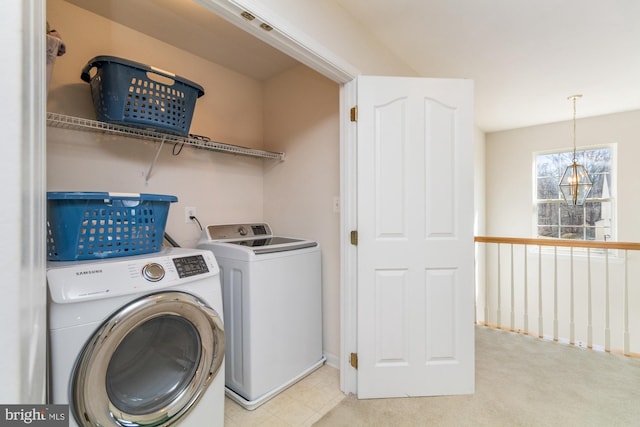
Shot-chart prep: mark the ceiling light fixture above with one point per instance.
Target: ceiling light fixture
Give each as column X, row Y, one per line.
column 575, row 184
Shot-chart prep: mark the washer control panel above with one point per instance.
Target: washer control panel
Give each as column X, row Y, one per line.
column 190, row 266
column 237, row 231
column 82, row 280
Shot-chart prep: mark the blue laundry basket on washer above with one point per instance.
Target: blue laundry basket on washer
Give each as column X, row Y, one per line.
column 96, row 225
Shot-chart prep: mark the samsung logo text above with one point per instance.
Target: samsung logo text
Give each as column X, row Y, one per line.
column 88, row 272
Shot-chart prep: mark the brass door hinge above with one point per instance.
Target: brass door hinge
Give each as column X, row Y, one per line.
column 353, row 360
column 354, row 237
column 354, row 114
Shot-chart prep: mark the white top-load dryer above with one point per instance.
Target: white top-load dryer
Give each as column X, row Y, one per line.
column 138, row 340
column 272, row 298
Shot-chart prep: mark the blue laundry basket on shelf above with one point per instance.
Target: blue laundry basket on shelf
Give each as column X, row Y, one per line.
column 97, row 225
column 134, row 94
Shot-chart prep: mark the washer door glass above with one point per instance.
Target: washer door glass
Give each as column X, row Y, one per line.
column 153, row 365
column 149, row 363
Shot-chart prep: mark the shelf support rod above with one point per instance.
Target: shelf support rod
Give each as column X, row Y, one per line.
column 155, row 159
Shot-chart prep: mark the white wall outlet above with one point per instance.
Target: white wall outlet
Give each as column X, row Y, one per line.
column 188, row 213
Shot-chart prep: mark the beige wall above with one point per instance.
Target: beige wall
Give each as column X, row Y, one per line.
column 299, row 193
column 479, row 158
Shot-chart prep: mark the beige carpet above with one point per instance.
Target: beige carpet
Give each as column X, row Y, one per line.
column 520, row 381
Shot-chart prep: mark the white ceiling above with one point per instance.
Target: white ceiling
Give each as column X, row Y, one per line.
column 525, row 56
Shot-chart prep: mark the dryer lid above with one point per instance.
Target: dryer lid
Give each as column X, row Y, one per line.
column 274, row 244
column 238, row 231
column 256, row 237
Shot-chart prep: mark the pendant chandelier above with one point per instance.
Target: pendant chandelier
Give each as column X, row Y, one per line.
column 575, row 184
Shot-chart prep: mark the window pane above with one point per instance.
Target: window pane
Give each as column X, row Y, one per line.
column 548, row 231
column 571, row 221
column 571, row 215
column 592, row 212
column 598, row 165
column 602, row 233
column 571, row 232
column 548, row 188
column 564, row 160
column 548, row 219
column 548, row 165
column 602, row 221
column 591, row 221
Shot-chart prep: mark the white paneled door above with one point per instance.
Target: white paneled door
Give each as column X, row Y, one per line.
column 415, row 294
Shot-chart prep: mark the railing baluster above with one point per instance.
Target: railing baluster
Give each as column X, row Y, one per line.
column 513, row 314
column 526, row 294
column 486, row 287
column 607, row 330
column 626, row 305
column 540, row 331
column 555, row 293
column 571, row 307
column 590, row 307
column 499, row 292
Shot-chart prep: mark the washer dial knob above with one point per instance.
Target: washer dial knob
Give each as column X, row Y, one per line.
column 153, row 272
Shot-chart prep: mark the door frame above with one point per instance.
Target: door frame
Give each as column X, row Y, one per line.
column 348, row 252
column 295, row 43
column 23, row 226
column 283, row 36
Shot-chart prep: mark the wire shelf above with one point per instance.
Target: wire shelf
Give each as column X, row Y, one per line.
column 77, row 123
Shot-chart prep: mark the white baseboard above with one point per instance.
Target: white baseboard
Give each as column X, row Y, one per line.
column 332, row 360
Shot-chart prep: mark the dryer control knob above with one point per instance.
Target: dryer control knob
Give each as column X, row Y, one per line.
column 153, row 272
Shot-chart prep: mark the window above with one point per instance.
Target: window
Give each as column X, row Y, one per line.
column 555, row 218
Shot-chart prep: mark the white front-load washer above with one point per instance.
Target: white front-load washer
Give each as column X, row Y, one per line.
column 272, row 294
column 138, row 341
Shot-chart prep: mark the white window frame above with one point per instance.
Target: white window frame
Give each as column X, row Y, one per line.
column 612, row 236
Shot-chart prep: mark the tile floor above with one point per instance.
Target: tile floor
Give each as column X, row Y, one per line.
column 302, row 404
